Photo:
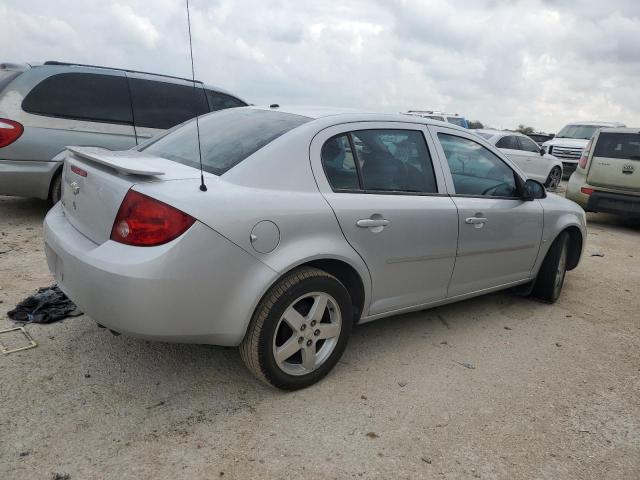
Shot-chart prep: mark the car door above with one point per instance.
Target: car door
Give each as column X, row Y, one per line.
column 537, row 165
column 500, row 233
column 158, row 106
column 510, row 146
column 392, row 206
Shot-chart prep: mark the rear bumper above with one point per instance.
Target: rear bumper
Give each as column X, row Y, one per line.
column 619, row 204
column 199, row 288
column 26, row 178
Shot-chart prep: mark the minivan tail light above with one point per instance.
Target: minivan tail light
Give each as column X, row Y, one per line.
column 585, row 155
column 146, row 222
column 10, row 131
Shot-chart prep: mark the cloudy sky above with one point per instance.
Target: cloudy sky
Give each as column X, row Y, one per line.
column 505, row 62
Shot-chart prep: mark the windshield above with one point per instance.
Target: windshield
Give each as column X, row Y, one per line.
column 461, row 122
column 227, row 137
column 584, row 132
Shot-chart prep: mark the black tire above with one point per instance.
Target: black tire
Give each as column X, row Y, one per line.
column 257, row 348
column 558, row 173
column 552, row 272
column 56, row 189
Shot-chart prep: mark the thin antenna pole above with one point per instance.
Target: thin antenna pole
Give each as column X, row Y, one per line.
column 203, row 187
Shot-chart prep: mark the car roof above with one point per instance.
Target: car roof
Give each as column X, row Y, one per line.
column 495, row 133
column 157, row 76
column 598, row 124
column 353, row 115
column 620, row 130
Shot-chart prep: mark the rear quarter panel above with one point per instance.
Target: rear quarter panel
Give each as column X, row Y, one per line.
column 274, row 184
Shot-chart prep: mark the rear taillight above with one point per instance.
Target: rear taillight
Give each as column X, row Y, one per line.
column 145, row 222
column 585, row 155
column 10, row 131
column 587, row 191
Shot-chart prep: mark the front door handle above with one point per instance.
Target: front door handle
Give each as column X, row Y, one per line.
column 372, row 223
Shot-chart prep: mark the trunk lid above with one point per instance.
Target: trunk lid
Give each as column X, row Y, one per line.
column 95, row 181
column 615, row 161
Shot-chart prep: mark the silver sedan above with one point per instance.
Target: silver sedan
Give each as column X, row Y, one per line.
column 304, row 223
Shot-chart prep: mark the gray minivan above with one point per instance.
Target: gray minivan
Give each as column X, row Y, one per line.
column 44, row 108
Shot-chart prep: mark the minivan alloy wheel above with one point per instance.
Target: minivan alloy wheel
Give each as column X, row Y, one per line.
column 307, row 333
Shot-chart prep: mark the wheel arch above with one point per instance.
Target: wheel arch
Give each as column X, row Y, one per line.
column 347, row 273
column 575, row 246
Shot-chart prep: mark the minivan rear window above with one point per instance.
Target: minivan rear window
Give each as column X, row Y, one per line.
column 163, row 105
column 227, row 137
column 618, row 145
column 81, row 96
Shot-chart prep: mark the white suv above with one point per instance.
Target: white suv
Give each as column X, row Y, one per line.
column 568, row 144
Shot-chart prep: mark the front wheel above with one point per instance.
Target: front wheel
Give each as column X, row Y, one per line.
column 554, row 178
column 552, row 272
column 299, row 330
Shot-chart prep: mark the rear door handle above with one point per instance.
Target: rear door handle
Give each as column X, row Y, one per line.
column 370, row 222
column 475, row 220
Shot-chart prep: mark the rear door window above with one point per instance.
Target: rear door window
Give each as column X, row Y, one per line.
column 163, row 105
column 392, row 160
column 618, row 145
column 81, row 96
column 220, row 101
column 339, row 163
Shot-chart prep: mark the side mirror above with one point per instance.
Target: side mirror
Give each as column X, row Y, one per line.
column 542, row 152
column 533, row 190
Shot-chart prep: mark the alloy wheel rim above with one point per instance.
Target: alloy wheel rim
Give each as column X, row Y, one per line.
column 554, row 178
column 307, row 333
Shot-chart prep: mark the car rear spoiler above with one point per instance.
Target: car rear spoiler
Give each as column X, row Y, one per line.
column 128, row 162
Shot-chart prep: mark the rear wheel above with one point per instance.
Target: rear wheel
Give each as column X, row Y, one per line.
column 554, row 178
column 299, row 331
column 56, row 189
column 552, row 272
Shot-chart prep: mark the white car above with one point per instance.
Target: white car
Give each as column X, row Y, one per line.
column 526, row 153
column 569, row 143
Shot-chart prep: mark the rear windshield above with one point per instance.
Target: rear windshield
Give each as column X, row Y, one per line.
column 618, row 145
column 227, row 137
column 584, row 132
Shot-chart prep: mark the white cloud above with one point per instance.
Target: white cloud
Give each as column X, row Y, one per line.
column 136, row 27
column 538, row 62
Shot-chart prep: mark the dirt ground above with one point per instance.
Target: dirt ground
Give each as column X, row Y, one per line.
column 497, row 387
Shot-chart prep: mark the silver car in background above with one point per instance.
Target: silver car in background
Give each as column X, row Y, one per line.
column 44, row 108
column 527, row 155
column 313, row 220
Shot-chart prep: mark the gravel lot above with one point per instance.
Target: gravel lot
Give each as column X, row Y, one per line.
column 552, row 392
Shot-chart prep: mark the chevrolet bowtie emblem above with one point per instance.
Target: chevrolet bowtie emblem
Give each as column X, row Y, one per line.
column 75, row 188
